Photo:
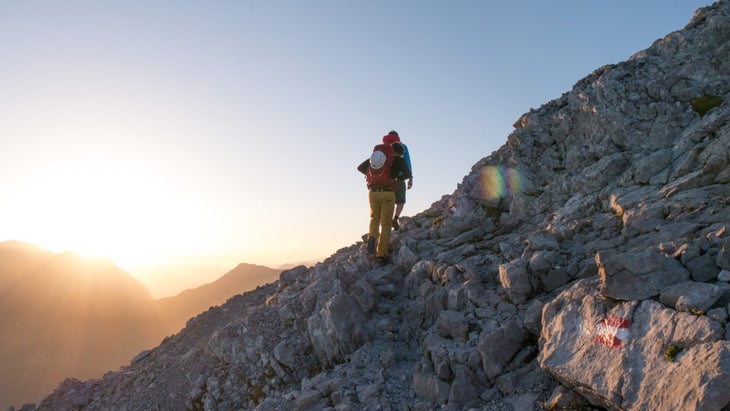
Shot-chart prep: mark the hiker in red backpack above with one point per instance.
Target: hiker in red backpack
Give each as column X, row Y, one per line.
column 381, row 171
column 400, row 193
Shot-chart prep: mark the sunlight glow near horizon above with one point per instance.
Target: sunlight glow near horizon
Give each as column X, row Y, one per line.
column 128, row 215
column 215, row 134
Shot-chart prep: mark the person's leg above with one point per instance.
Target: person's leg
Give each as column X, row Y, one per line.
column 373, row 230
column 387, row 204
column 398, row 209
column 375, row 214
column 400, row 201
column 400, row 198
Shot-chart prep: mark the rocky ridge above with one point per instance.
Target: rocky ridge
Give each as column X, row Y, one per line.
column 584, row 264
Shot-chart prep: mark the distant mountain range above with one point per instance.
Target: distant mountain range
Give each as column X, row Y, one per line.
column 64, row 315
column 308, row 263
column 175, row 311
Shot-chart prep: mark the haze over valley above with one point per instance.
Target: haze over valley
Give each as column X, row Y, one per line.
column 65, row 315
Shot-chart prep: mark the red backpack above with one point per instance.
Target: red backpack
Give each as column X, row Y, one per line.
column 378, row 174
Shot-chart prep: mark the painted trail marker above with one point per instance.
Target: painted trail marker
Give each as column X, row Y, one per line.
column 612, row 331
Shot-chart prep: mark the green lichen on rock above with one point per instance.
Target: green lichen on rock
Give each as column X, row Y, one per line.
column 671, row 352
column 701, row 105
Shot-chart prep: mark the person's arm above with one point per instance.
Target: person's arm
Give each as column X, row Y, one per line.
column 407, row 157
column 363, row 167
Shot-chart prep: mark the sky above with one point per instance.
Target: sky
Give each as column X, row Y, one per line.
column 206, row 134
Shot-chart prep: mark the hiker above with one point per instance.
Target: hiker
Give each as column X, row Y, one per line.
column 400, row 194
column 381, row 170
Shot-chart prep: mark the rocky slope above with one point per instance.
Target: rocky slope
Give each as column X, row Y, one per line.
column 584, row 264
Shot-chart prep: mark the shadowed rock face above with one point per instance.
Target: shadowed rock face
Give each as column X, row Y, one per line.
column 569, row 268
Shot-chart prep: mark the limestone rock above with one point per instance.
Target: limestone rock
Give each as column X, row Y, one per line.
column 638, row 276
column 628, row 346
column 498, row 346
column 703, row 268
column 691, row 296
column 516, row 281
column 337, row 330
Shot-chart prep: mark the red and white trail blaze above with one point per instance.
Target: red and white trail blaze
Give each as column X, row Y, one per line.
column 612, row 331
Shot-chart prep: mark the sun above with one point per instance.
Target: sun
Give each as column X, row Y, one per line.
column 123, row 212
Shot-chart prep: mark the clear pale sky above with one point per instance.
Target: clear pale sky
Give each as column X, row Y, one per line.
column 221, row 132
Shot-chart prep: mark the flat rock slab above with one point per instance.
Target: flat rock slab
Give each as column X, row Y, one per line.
column 634, row 355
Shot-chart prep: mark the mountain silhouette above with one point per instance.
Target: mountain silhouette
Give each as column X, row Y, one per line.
column 175, row 311
column 65, row 315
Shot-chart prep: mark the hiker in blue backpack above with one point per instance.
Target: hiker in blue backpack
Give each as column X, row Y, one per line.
column 400, row 194
column 381, row 171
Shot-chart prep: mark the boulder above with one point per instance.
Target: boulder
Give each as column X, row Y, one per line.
column 693, row 297
column 546, row 267
column 452, row 324
column 337, row 329
column 703, row 268
column 533, row 317
column 465, row 388
column 516, row 281
column 634, row 355
column 723, row 258
column 497, row 347
column 428, row 386
column 638, row 276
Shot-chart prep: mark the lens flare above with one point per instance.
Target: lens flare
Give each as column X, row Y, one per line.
column 498, row 181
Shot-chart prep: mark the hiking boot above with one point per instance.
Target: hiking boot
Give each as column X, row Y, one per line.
column 371, row 245
column 395, row 223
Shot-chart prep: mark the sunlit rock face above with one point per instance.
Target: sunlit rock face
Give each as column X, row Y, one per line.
column 570, row 268
column 647, row 355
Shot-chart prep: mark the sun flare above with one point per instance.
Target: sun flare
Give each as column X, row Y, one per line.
column 127, row 214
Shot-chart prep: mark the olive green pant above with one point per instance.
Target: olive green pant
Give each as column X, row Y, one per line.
column 382, row 204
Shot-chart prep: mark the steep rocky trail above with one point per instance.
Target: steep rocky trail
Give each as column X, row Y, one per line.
column 586, row 263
